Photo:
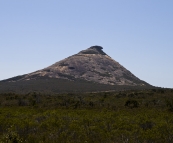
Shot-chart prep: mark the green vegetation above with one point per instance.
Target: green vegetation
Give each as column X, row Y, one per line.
column 53, row 86
column 143, row 116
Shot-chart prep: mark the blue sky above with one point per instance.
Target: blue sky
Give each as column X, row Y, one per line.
column 137, row 33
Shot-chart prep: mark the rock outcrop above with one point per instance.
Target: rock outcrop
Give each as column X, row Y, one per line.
column 91, row 64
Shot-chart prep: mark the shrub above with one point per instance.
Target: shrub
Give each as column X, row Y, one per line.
column 169, row 104
column 11, row 136
column 132, row 104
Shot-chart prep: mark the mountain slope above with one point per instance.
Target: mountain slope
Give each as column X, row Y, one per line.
column 56, row 85
column 91, row 64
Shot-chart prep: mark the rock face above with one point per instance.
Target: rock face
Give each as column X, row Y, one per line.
column 91, row 64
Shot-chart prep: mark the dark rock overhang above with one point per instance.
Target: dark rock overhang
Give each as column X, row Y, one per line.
column 93, row 50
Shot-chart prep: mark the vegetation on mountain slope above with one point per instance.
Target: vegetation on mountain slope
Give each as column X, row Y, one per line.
column 52, row 85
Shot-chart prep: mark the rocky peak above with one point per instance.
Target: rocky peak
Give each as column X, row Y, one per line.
column 93, row 50
column 91, row 64
column 96, row 47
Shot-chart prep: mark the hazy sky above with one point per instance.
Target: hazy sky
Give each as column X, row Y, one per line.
column 137, row 33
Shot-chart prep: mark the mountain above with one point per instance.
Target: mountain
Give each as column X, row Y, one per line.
column 92, row 65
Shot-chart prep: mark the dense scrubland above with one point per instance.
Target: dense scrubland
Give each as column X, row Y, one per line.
column 134, row 116
column 52, row 86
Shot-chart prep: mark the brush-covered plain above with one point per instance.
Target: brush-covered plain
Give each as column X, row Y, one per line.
column 134, row 116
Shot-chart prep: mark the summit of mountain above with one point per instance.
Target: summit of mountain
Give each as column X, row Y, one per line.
column 92, row 65
column 93, row 50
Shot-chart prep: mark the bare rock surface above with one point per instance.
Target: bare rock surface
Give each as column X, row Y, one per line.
column 91, row 64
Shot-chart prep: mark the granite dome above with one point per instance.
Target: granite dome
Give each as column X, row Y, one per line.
column 92, row 64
